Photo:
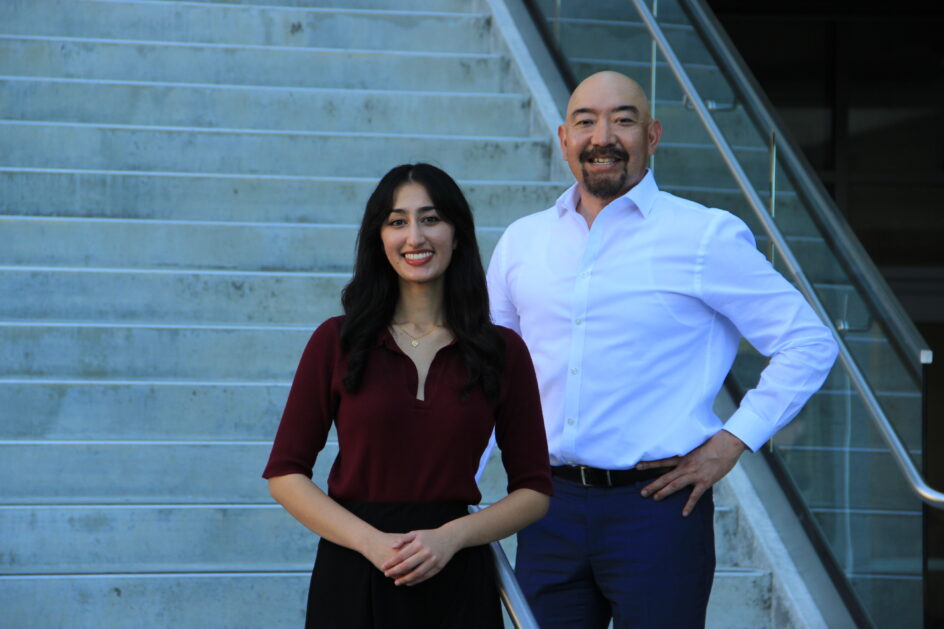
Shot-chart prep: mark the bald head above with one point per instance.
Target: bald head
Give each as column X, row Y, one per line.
column 609, row 87
column 608, row 136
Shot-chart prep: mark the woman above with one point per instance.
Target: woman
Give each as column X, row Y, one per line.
column 414, row 377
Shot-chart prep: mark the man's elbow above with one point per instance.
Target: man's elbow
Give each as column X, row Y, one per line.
column 830, row 351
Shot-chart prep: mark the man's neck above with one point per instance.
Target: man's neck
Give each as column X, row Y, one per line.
column 589, row 206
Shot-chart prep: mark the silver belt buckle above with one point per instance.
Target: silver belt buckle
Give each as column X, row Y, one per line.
column 609, row 481
column 583, row 475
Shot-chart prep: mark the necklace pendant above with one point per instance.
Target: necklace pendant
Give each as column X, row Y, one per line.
column 414, row 342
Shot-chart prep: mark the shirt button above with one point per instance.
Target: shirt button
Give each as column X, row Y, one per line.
column 574, row 370
column 578, row 321
column 570, row 420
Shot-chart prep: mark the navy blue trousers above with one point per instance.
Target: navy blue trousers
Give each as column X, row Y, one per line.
column 603, row 553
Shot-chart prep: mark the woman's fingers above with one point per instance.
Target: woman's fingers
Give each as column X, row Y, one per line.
column 393, row 564
column 425, row 570
column 422, row 555
column 404, row 539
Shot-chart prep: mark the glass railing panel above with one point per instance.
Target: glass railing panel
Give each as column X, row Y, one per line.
column 832, row 453
column 859, row 502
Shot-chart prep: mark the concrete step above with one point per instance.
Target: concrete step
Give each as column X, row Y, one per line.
column 145, row 472
column 102, row 539
column 272, row 108
column 172, row 297
column 741, row 599
column 197, row 296
column 708, row 80
column 896, row 601
column 156, row 472
column 225, row 197
column 181, row 149
column 249, row 25
column 129, row 244
column 36, row 410
column 242, row 65
column 625, row 39
column 680, row 123
column 850, row 478
column 438, row 6
column 839, row 416
column 215, row 600
column 874, row 541
column 790, row 214
column 610, row 10
column 817, row 260
column 152, row 352
column 235, row 601
column 701, row 165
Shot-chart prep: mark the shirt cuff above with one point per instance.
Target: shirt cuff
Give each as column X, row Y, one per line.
column 749, row 427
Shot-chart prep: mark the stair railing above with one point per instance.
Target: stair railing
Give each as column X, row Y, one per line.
column 919, row 354
column 508, row 589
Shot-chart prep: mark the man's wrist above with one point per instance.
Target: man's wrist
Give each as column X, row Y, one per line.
column 733, row 441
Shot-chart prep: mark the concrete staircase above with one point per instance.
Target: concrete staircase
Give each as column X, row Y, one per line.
column 180, row 184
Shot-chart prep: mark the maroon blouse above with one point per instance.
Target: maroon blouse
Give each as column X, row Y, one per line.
column 393, row 447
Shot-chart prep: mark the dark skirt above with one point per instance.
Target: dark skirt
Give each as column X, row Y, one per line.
column 348, row 592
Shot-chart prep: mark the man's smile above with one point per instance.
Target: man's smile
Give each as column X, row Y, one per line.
column 603, row 159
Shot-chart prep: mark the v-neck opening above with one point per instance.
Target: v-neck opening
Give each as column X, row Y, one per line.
column 391, row 343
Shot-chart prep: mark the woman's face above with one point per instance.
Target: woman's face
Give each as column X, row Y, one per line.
column 416, row 239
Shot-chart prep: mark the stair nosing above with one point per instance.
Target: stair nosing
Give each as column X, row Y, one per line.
column 304, row 9
column 169, row 271
column 271, row 132
column 520, row 96
column 211, row 45
column 270, row 176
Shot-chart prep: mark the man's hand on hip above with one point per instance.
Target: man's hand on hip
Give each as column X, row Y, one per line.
column 701, row 468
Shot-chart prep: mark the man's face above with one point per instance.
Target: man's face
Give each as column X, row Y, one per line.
column 608, row 136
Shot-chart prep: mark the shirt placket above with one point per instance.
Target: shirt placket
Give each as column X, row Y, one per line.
column 578, row 327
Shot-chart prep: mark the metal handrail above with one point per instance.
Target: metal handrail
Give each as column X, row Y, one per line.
column 508, row 589
column 918, row 485
column 880, row 296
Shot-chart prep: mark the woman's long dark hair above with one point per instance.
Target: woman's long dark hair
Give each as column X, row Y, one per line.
column 371, row 296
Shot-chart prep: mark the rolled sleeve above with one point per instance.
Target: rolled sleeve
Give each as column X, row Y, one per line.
column 519, row 423
column 311, row 406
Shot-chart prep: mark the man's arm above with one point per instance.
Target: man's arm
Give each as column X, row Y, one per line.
column 738, row 282
column 504, row 313
column 500, row 304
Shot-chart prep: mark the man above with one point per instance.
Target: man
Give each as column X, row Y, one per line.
column 632, row 302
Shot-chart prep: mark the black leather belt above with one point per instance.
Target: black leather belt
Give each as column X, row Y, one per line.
column 595, row 477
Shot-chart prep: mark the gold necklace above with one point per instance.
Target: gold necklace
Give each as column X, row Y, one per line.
column 414, row 340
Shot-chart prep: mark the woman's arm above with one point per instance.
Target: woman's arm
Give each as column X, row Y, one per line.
column 319, row 512
column 422, row 554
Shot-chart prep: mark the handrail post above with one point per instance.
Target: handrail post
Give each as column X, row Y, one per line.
column 924, row 491
column 508, row 589
column 773, row 186
column 652, row 81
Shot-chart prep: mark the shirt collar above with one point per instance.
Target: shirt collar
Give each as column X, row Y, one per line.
column 641, row 196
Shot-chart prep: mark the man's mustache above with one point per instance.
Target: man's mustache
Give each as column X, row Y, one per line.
column 604, row 151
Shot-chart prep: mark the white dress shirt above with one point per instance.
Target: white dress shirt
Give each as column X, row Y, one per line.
column 634, row 323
